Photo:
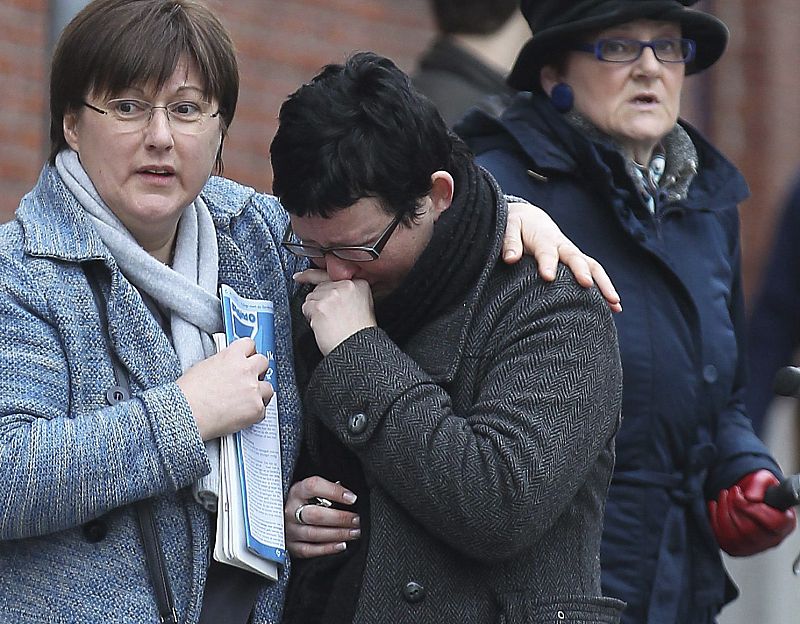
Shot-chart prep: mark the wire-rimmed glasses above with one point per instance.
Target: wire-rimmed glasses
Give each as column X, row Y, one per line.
column 131, row 114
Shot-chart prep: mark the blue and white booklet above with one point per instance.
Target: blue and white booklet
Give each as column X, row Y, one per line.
column 250, row 511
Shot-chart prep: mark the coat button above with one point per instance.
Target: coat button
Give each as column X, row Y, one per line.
column 710, row 373
column 116, row 394
column 357, row 423
column 414, row 592
column 95, row 531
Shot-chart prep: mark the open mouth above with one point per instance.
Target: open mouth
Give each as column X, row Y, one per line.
column 645, row 98
column 157, row 172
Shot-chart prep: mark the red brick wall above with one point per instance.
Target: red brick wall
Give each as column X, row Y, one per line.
column 283, row 44
column 22, row 98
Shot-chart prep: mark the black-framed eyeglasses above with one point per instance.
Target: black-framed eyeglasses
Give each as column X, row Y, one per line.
column 668, row 50
column 352, row 253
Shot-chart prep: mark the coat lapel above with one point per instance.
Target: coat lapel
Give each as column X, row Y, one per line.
column 134, row 334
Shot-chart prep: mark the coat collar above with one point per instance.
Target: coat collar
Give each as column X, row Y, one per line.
column 55, row 226
column 438, row 347
column 532, row 126
column 447, row 56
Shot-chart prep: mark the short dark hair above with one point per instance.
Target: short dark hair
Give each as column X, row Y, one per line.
column 360, row 130
column 472, row 17
column 115, row 44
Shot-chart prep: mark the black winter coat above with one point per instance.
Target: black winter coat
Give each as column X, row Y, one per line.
column 487, row 448
column 685, row 434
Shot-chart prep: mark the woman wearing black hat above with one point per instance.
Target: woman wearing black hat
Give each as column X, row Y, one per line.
column 598, row 143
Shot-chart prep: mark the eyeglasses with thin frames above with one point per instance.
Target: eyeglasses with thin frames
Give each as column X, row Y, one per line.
column 131, row 115
column 668, row 50
column 352, row 253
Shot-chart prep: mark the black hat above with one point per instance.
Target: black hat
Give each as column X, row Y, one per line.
column 558, row 23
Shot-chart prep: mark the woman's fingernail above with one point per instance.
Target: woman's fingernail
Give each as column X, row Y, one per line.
column 357, row 521
column 340, row 546
column 349, row 497
column 355, row 532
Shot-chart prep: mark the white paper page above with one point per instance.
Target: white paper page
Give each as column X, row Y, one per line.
column 238, row 538
column 261, row 460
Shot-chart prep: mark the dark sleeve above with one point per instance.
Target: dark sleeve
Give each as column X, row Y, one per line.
column 774, row 329
column 740, row 451
column 491, row 480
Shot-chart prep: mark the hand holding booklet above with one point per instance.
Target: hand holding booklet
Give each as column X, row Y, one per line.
column 250, row 511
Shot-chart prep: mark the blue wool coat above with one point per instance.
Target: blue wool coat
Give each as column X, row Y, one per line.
column 69, row 461
column 685, row 434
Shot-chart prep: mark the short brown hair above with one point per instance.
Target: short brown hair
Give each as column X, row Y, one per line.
column 114, row 44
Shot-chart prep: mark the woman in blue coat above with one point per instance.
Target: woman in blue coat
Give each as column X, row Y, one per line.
column 597, row 142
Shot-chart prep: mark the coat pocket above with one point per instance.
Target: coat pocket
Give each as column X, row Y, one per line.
column 522, row 608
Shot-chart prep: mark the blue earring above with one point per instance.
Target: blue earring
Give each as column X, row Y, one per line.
column 562, row 97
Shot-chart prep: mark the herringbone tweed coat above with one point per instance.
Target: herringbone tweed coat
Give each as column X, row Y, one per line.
column 488, row 448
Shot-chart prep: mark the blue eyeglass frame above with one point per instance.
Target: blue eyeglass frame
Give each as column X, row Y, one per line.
column 595, row 48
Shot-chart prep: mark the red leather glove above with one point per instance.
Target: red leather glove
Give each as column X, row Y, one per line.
column 745, row 525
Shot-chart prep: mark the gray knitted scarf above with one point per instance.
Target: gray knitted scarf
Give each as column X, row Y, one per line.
column 186, row 290
column 679, row 167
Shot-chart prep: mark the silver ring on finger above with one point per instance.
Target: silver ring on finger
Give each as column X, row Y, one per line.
column 298, row 513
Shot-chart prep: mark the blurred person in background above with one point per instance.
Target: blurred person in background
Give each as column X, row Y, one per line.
column 109, row 273
column 467, row 63
column 596, row 141
column 774, row 324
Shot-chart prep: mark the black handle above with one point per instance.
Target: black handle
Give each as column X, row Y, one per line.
column 784, row 495
column 787, row 382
